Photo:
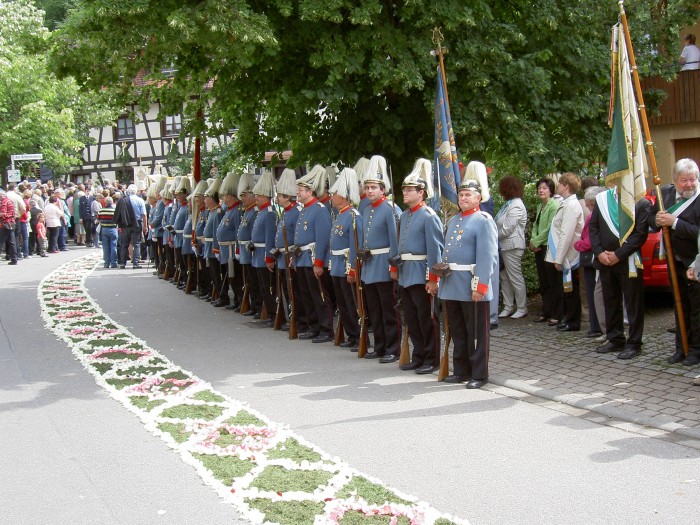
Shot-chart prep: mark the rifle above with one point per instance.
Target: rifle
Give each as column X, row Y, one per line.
column 362, row 314
column 245, row 302
column 279, row 313
column 178, row 268
column 190, row 275
column 167, row 270
column 290, row 287
column 339, row 332
column 445, row 360
column 405, row 355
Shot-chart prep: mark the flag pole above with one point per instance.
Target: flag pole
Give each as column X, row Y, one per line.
column 656, row 179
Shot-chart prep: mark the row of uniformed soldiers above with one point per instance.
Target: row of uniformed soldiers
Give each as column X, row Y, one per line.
column 324, row 247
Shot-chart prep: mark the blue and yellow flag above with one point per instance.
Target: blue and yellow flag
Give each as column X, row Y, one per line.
column 446, row 165
column 627, row 163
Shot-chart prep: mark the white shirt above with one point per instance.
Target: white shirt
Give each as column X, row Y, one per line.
column 691, row 54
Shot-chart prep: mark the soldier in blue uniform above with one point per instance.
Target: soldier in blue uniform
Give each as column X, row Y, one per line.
column 311, row 239
column 471, row 250
column 168, row 198
column 200, row 215
column 211, row 244
column 284, row 237
column 245, row 236
column 181, row 193
column 188, row 256
column 263, row 237
column 156, row 227
column 360, row 168
column 380, row 246
column 226, row 234
column 420, row 248
column 347, row 224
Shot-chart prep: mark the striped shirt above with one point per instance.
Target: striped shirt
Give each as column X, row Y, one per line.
column 106, row 217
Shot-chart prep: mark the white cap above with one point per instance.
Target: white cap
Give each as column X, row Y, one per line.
column 376, row 172
column 477, row 171
column 421, row 177
column 360, row 168
column 213, row 189
column 151, row 192
column 184, row 186
column 331, row 176
column 245, row 184
column 265, row 185
column 167, row 192
column 287, row 184
column 346, row 185
column 314, row 179
column 229, row 186
column 160, row 182
column 200, row 188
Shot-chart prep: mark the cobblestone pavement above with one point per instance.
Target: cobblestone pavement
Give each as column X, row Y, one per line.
column 564, row 367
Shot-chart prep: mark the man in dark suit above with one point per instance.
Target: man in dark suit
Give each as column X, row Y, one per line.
column 620, row 268
column 682, row 216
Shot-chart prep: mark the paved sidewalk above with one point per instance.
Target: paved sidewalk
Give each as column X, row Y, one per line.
column 564, row 367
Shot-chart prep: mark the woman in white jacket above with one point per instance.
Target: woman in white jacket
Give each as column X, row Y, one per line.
column 511, row 220
column 53, row 215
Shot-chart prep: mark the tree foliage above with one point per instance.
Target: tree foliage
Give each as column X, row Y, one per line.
column 336, row 79
column 38, row 113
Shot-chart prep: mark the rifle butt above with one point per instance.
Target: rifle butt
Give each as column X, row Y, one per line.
column 339, row 333
column 245, row 303
column 445, row 359
column 362, row 345
column 279, row 315
column 264, row 314
column 405, row 356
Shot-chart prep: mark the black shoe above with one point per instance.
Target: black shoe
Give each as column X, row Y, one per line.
column 629, row 353
column 456, row 379
column 138, row 267
column 409, row 366
column 592, row 333
column 181, row 286
column 219, row 303
column 476, row 383
column 426, row 369
column 307, row 335
column 250, row 313
column 122, row 267
column 205, row 296
column 371, row 355
column 348, row 344
column 267, row 324
column 256, row 315
column 493, row 326
column 12, row 262
column 676, row 358
column 390, row 358
column 671, row 330
column 691, row 360
column 566, row 327
column 323, row 338
column 608, row 347
column 285, row 327
column 232, row 306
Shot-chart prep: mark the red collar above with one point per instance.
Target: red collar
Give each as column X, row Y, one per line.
column 417, row 207
column 470, row 212
column 250, row 207
column 344, row 209
column 290, row 206
column 374, row 205
column 311, row 202
column 234, row 205
column 363, row 196
column 260, row 208
column 325, row 199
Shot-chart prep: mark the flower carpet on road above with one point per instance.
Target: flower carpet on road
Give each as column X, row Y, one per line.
column 269, row 474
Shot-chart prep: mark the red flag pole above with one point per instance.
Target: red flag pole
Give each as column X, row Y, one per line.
column 657, row 180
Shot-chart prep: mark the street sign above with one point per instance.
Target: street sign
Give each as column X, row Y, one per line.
column 28, row 156
column 13, row 176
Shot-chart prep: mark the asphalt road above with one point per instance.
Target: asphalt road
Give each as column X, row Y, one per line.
column 72, row 455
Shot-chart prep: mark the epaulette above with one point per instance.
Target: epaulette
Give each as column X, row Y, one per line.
column 355, row 211
column 430, row 211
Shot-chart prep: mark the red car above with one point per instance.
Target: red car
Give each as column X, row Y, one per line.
column 655, row 269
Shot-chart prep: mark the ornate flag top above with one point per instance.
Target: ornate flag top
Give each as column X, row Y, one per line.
column 446, row 164
column 627, row 163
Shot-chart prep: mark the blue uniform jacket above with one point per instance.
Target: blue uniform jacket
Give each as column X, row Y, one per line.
column 187, row 235
column 290, row 216
column 379, row 229
column 167, row 210
column 420, row 234
column 264, row 231
column 343, row 239
column 470, row 238
column 228, row 230
column 245, row 234
column 313, row 226
column 211, row 244
column 199, row 230
column 157, row 220
column 179, row 224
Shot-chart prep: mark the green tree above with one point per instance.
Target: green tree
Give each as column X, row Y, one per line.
column 336, row 79
column 39, row 113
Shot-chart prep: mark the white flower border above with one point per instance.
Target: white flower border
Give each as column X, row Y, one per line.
column 65, row 287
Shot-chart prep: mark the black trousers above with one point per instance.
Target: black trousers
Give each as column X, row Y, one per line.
column 180, row 265
column 618, row 286
column 268, row 294
column 384, row 315
column 690, row 299
column 423, row 327
column 545, row 288
column 130, row 235
column 347, row 308
column 235, row 280
column 214, row 269
column 300, row 310
column 203, row 276
column 469, row 321
column 317, row 306
column 566, row 305
column 89, row 226
column 253, row 288
column 7, row 238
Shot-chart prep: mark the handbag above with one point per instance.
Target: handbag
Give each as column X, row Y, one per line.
column 586, row 259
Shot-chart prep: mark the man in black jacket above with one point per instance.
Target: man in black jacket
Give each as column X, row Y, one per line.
column 620, row 268
column 682, row 216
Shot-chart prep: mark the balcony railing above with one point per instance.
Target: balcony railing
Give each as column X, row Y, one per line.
column 682, row 104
